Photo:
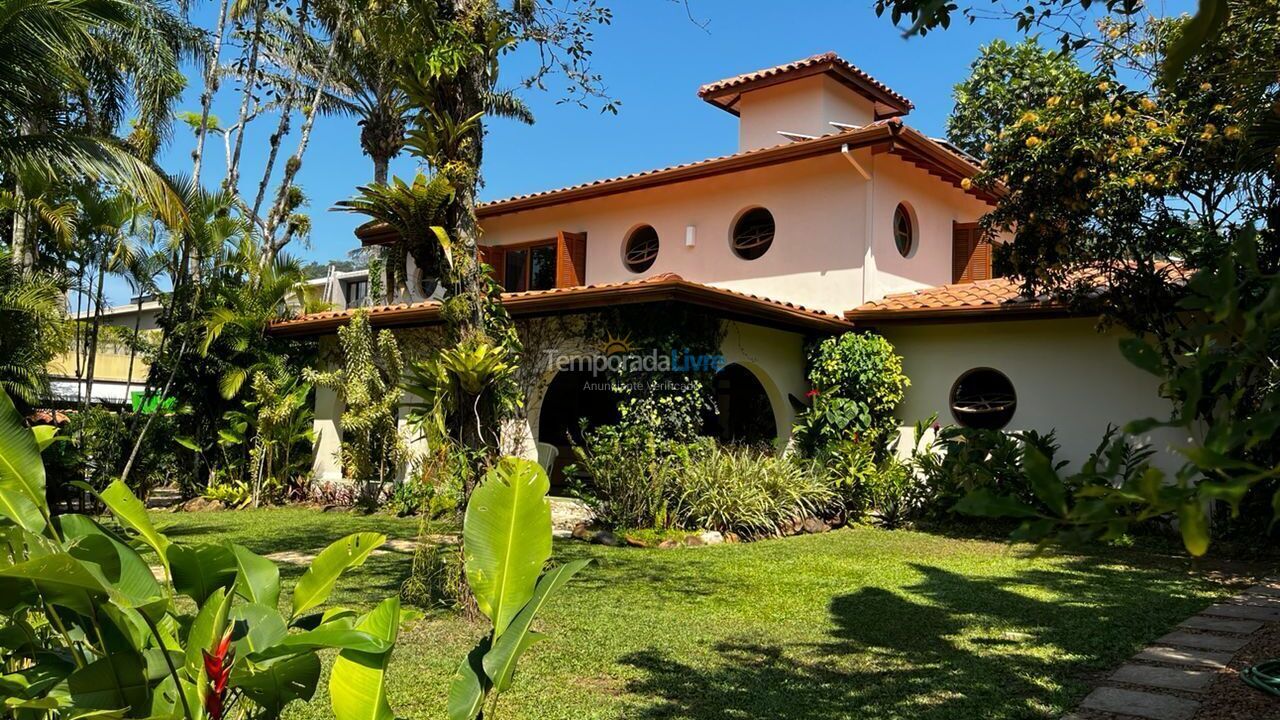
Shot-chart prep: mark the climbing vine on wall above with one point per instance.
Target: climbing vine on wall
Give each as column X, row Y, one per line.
column 672, row 403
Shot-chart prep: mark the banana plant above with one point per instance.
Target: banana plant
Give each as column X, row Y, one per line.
column 118, row 621
column 506, row 537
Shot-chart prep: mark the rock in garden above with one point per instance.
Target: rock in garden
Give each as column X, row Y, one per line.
column 668, row 544
column 732, row 537
column 711, row 537
column 814, row 526
column 694, row 541
column 635, row 542
column 582, row 531
column 604, row 537
column 201, row 504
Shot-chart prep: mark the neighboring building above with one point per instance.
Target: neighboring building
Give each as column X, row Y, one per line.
column 120, row 378
column 833, row 215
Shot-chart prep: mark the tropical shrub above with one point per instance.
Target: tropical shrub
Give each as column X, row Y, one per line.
column 895, row 496
column 506, row 538
column 960, row 460
column 857, row 383
column 369, row 385
column 631, row 473
column 89, row 630
column 94, row 444
column 749, row 492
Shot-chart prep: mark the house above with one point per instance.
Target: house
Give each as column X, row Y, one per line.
column 833, row 215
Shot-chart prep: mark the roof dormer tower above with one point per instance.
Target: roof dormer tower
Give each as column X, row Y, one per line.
column 805, row 98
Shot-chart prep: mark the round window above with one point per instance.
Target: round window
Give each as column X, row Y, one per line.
column 641, row 249
column 983, row 398
column 904, row 233
column 753, row 234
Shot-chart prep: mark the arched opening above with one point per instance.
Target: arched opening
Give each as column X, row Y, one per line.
column 743, row 414
column 574, row 396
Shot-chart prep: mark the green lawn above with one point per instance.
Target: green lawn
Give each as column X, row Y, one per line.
column 858, row 623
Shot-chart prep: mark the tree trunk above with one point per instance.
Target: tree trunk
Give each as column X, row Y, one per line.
column 91, row 345
column 232, row 182
column 294, row 163
column 211, row 83
column 133, row 348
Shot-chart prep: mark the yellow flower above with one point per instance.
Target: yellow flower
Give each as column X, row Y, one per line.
column 1147, row 104
column 1053, row 101
column 988, row 147
column 1028, row 117
column 1033, row 141
column 1161, row 151
column 1131, row 181
column 1080, row 174
column 1149, row 179
column 1219, row 107
column 1205, row 87
column 966, row 183
column 1132, row 140
column 1153, row 125
column 1110, row 119
column 1113, row 33
column 1104, row 86
column 1232, row 132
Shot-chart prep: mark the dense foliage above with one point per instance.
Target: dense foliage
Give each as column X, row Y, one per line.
column 90, row 629
column 857, row 383
column 1163, row 192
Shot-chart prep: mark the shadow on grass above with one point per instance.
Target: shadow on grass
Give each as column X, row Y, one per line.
column 664, row 574
column 947, row 647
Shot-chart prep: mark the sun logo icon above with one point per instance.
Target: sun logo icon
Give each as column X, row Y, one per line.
column 616, row 345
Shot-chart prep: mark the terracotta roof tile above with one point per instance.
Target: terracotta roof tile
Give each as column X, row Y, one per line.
column 981, row 296
column 828, row 61
column 586, row 297
column 492, row 207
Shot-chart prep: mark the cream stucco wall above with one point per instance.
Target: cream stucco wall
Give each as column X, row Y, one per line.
column 806, row 106
column 934, row 205
column 820, row 206
column 1067, row 377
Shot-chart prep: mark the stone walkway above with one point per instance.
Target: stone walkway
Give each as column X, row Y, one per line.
column 1164, row 681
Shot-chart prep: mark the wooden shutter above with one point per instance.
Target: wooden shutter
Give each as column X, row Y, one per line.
column 492, row 255
column 970, row 253
column 571, row 259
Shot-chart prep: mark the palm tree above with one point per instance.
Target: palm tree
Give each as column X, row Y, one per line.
column 243, row 310
column 33, row 325
column 417, row 213
column 63, row 64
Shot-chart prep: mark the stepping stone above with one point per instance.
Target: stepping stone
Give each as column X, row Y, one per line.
column 1202, row 622
column 1248, row 597
column 398, row 545
column 1140, row 704
column 1162, row 677
column 1182, row 656
column 1267, row 590
column 1203, row 641
column 1243, row 612
column 291, row 557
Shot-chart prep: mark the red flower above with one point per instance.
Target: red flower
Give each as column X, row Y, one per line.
column 217, row 665
column 812, row 393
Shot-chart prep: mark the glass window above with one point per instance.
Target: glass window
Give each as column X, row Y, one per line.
column 983, row 398
column 641, row 249
column 753, row 234
column 515, row 279
column 904, row 234
column 542, row 267
column 357, row 293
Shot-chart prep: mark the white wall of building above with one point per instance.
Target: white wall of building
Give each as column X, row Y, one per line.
column 1067, row 377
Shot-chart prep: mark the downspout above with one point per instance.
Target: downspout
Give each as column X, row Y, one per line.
column 868, row 258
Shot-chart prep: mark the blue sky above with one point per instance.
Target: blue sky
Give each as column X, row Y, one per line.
column 653, row 58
